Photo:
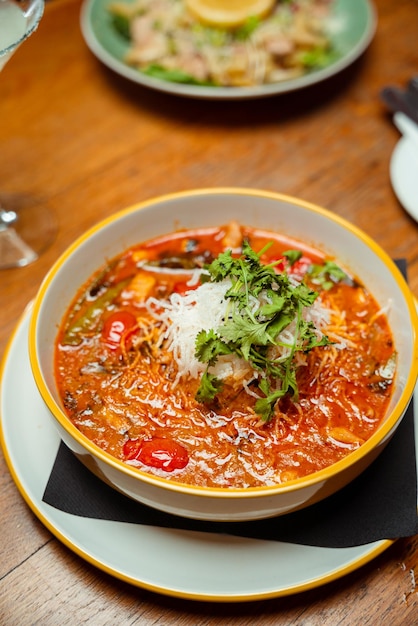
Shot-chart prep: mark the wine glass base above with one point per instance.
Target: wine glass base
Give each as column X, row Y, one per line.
column 14, row 252
column 23, row 241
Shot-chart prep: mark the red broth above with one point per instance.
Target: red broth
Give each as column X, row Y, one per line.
column 120, row 383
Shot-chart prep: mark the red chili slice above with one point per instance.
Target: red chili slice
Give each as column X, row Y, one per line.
column 159, row 452
column 280, row 262
column 300, row 267
column 182, row 288
column 117, row 327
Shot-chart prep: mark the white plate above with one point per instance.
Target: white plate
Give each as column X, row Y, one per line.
column 186, row 564
column 352, row 29
column 404, row 174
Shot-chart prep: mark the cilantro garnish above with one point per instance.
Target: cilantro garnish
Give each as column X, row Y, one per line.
column 209, row 387
column 292, row 256
column 209, row 347
column 326, row 275
column 261, row 304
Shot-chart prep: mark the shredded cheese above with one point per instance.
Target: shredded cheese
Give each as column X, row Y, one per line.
column 183, row 317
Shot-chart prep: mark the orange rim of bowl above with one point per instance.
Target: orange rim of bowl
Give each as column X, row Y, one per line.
column 219, row 492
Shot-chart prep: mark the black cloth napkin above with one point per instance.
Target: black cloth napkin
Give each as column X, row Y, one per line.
column 379, row 504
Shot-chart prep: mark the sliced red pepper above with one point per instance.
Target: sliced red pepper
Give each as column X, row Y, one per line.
column 183, row 287
column 280, row 262
column 300, row 267
column 117, row 327
column 126, row 268
column 158, row 452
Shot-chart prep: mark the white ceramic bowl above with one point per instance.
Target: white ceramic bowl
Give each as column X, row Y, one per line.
column 202, row 208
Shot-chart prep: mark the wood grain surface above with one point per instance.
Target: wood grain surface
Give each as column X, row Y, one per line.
column 83, row 143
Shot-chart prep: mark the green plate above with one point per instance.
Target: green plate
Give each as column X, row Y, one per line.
column 352, row 28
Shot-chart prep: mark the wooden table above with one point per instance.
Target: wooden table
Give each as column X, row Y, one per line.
column 83, row 142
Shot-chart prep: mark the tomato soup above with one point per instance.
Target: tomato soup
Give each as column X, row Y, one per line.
column 225, row 357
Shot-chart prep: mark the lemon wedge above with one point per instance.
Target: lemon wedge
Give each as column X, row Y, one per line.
column 228, row 13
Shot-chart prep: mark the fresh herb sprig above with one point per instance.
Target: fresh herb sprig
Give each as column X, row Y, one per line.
column 261, row 304
column 327, row 275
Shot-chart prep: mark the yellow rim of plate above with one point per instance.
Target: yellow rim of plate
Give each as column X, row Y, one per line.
column 338, row 572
